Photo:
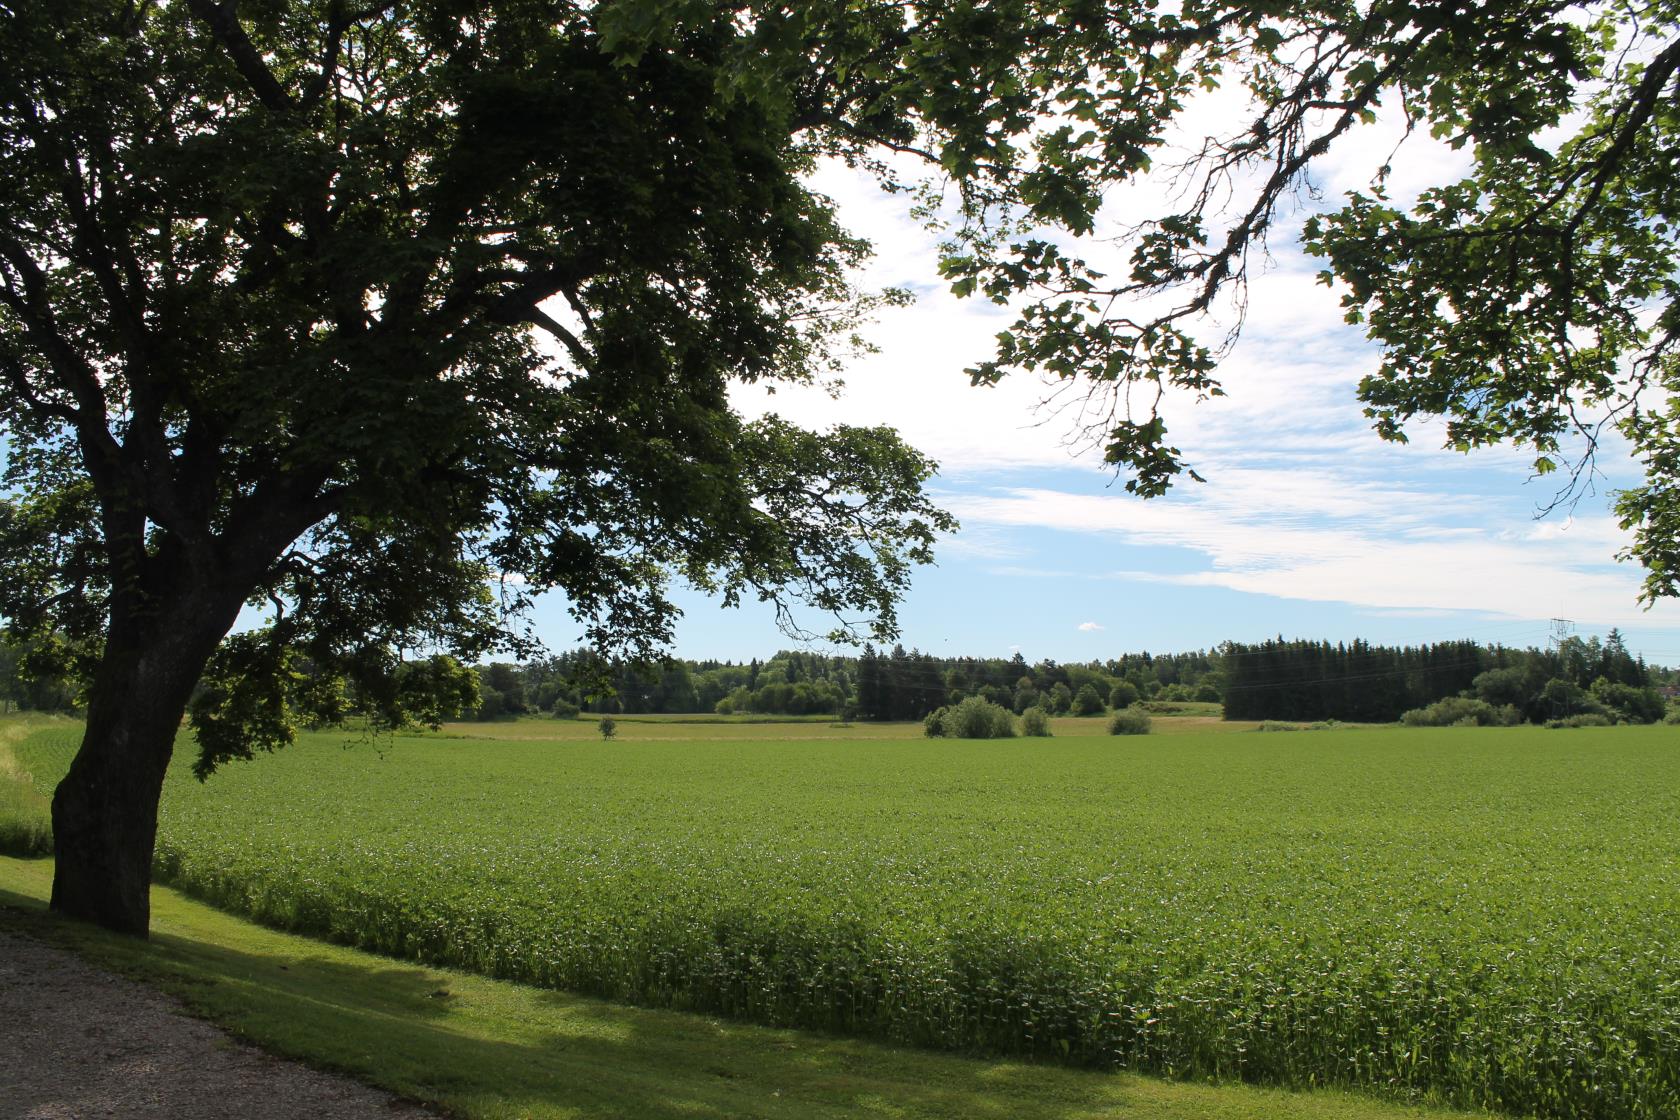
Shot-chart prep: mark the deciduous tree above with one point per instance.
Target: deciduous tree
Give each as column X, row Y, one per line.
column 390, row 315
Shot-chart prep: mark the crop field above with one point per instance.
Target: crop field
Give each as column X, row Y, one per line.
column 1484, row 917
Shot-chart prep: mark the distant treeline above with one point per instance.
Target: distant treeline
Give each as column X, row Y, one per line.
column 1300, row 680
column 898, row 684
column 1285, row 680
column 1279, row 679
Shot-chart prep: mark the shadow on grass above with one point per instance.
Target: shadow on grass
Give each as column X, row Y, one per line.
column 489, row 1048
column 493, row 1049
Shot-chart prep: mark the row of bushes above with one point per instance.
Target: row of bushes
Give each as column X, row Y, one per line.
column 1606, row 702
column 979, row 718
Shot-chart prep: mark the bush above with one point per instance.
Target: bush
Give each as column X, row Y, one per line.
column 1279, row 725
column 973, row 718
column 1585, row 719
column 1087, row 702
column 1123, row 695
column 1128, row 722
column 1035, row 722
column 1059, row 699
column 607, row 727
column 1625, row 702
column 1461, row 711
column 1503, row 686
column 565, row 709
column 491, row 705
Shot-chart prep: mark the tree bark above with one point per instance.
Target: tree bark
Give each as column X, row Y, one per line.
column 104, row 812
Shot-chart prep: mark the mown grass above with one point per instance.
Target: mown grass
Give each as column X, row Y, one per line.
column 491, row 1050
column 1479, row 916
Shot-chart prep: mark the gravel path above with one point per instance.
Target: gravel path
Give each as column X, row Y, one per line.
column 78, row 1043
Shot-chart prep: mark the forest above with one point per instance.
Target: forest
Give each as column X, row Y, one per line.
column 1276, row 679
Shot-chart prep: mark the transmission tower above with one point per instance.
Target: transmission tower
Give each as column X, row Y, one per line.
column 1562, row 630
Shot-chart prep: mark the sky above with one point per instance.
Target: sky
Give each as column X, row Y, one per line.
column 1308, row 525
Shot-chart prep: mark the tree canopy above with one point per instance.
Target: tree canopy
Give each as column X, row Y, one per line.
column 269, row 275
column 1532, row 300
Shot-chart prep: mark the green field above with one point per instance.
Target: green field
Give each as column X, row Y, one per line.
column 1481, row 916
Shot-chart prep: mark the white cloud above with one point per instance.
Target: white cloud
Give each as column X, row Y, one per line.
column 1372, row 546
column 1304, row 501
column 1091, row 627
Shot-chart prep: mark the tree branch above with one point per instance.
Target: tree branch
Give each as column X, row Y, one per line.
column 223, row 21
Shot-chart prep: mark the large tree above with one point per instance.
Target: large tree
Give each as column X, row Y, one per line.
column 351, row 306
column 392, row 315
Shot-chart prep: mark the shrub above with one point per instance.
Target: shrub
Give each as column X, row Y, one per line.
column 933, row 726
column 1461, row 711
column 1128, row 722
column 1279, row 725
column 973, row 718
column 1503, row 686
column 491, row 705
column 1087, row 702
column 1123, row 695
column 1625, row 702
column 1059, row 699
column 1035, row 722
column 1585, row 719
column 607, row 727
column 565, row 709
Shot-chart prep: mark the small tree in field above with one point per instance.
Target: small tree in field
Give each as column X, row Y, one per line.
column 973, row 718
column 1086, row 702
column 608, row 727
column 1128, row 722
column 1035, row 723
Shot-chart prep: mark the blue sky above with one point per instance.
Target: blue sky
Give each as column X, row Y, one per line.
column 1308, row 525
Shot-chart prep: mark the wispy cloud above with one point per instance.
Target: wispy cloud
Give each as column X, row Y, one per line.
column 1091, row 627
column 1372, row 547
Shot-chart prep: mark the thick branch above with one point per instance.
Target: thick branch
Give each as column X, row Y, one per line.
column 223, row 21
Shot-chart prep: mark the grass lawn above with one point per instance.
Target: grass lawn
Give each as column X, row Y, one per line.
column 490, row 1049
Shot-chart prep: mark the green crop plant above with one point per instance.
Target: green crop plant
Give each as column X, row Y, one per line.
column 1478, row 916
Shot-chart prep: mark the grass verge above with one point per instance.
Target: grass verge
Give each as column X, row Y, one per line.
column 494, row 1050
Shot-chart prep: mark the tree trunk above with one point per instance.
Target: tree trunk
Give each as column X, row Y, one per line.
column 104, row 812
